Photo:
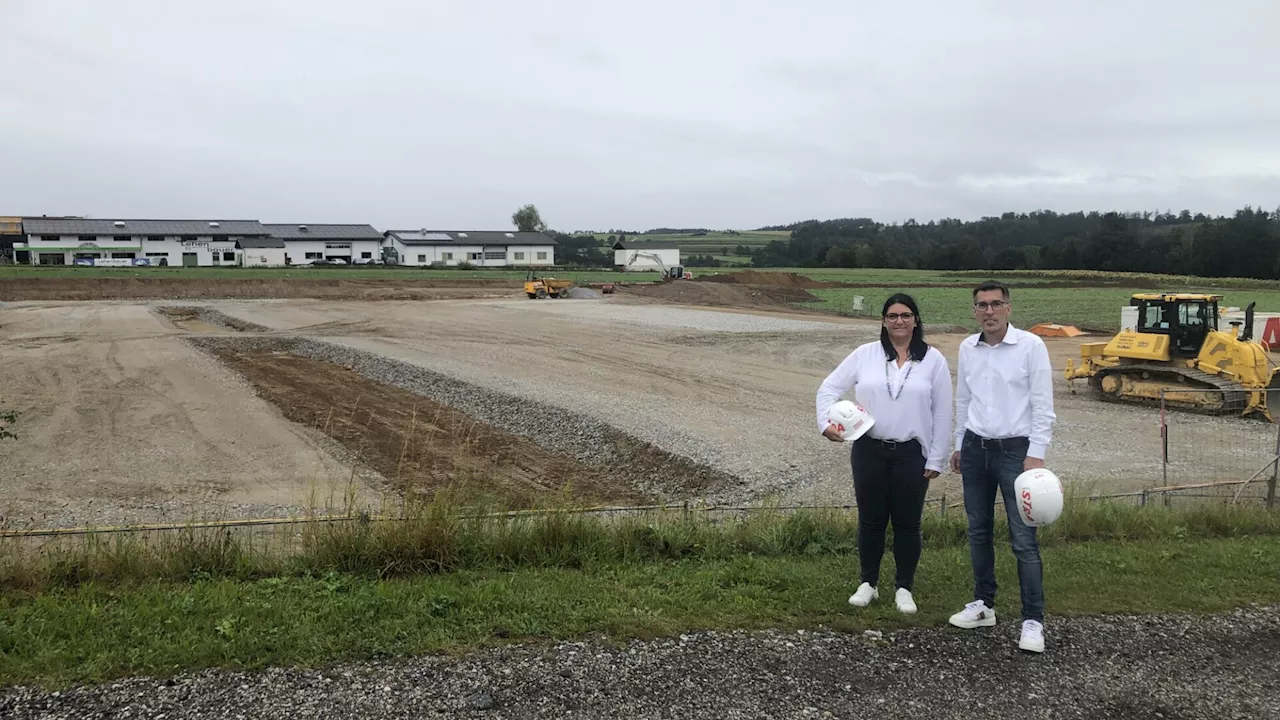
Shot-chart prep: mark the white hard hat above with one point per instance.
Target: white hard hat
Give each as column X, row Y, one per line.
column 1039, row 496
column 850, row 419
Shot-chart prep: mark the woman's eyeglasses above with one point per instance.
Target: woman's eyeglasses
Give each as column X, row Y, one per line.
column 894, row 317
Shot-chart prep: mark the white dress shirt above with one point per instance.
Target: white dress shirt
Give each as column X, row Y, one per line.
column 922, row 410
column 1005, row 390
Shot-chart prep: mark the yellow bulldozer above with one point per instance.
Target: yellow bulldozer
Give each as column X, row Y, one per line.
column 1178, row 348
column 538, row 288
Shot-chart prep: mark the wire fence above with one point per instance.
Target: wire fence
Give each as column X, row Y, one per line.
column 1212, row 455
column 1216, row 452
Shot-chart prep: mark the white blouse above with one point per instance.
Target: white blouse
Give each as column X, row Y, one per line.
column 910, row 402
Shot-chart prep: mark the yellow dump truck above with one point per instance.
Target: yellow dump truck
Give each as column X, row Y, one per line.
column 538, row 288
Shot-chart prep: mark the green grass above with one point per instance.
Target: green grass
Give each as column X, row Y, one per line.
column 95, row 609
column 430, row 538
column 96, row 633
column 1096, row 308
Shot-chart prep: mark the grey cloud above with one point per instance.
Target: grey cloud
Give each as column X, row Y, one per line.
column 719, row 114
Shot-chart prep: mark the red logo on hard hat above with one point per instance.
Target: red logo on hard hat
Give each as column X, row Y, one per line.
column 1026, row 504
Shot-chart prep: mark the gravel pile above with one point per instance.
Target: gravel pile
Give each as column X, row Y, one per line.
column 660, row 472
column 581, row 293
column 213, row 317
column 1130, row 667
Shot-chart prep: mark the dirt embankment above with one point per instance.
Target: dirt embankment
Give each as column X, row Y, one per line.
column 144, row 288
column 422, row 444
column 203, row 319
column 771, row 279
column 418, row 444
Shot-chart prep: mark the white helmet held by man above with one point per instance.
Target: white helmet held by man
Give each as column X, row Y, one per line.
column 1039, row 496
column 850, row 419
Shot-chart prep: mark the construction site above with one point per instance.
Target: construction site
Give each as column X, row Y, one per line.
column 147, row 400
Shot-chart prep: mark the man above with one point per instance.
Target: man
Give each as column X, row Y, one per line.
column 1004, row 420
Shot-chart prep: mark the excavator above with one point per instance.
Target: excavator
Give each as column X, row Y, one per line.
column 1178, row 348
column 675, row 272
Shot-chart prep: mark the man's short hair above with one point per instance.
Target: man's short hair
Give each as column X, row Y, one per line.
column 992, row 285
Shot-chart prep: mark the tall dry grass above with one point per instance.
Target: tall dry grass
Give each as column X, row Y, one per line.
column 441, row 535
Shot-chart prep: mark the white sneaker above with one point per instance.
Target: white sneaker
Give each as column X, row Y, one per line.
column 1032, row 636
column 864, row 595
column 906, row 604
column 975, row 614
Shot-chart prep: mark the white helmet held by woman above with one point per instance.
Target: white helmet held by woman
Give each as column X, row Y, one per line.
column 850, row 419
column 1039, row 496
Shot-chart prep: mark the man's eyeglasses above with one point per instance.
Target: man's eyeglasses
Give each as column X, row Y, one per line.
column 894, row 317
column 993, row 305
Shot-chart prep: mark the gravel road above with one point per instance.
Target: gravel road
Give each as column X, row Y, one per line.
column 1130, row 667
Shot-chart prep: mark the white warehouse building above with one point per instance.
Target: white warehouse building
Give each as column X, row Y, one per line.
column 191, row 243
column 480, row 248
column 638, row 256
column 350, row 244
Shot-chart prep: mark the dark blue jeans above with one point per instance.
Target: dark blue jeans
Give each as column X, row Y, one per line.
column 982, row 472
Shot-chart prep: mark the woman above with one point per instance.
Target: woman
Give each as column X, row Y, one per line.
column 906, row 387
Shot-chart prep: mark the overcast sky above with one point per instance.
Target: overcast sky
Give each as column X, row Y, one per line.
column 634, row 115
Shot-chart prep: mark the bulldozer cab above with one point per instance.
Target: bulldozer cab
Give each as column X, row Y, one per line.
column 1186, row 318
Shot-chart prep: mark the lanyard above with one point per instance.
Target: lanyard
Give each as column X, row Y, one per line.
column 911, row 364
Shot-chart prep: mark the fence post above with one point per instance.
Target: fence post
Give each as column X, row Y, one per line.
column 1164, row 442
column 1275, row 471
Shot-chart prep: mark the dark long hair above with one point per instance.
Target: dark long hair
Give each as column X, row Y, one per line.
column 918, row 347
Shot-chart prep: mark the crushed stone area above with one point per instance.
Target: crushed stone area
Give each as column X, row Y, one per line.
column 606, row 463
column 1097, row 668
column 123, row 423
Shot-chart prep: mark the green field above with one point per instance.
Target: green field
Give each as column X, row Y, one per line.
column 1087, row 308
column 1091, row 300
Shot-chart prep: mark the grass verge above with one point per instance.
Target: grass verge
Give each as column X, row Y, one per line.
column 94, row 633
column 440, row 536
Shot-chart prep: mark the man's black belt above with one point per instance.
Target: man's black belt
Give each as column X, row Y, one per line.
column 1009, row 443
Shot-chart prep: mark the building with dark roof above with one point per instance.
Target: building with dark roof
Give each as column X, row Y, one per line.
column 82, row 241
column 231, row 243
column 305, row 244
column 482, row 248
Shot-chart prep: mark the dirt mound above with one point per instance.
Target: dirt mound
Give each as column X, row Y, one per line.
column 770, row 279
column 332, row 288
column 723, row 294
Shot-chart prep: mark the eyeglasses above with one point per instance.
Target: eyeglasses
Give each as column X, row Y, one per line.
column 994, row 304
column 904, row 317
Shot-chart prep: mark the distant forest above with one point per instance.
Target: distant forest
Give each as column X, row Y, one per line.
column 1244, row 245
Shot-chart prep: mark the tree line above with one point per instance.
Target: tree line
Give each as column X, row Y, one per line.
column 1246, row 244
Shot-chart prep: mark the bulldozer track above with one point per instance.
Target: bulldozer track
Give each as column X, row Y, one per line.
column 1233, row 394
